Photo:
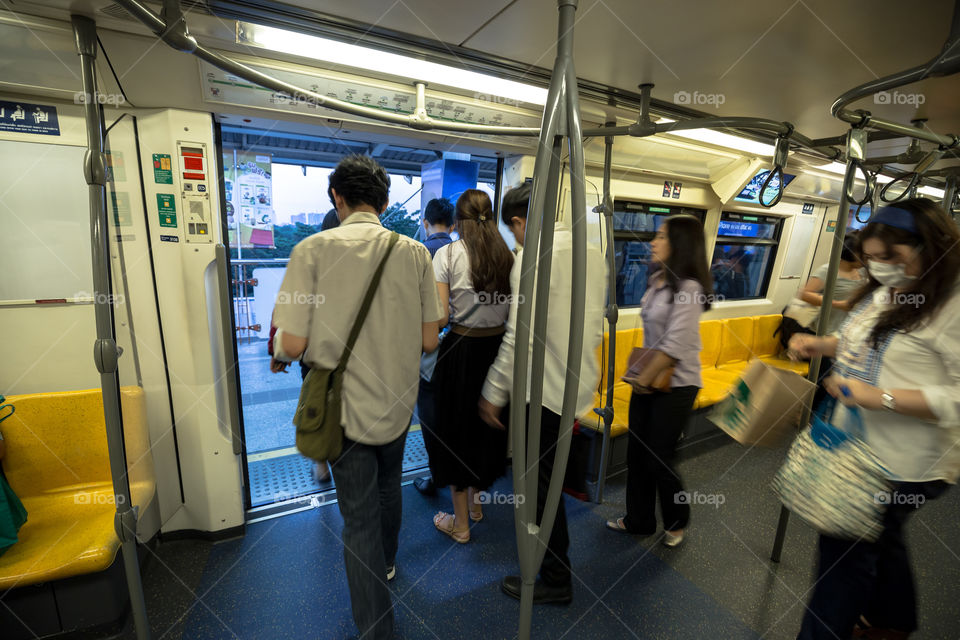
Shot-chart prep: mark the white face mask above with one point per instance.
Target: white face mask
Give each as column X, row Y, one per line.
column 891, row 275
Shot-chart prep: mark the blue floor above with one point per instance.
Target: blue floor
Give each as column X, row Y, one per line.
column 285, row 577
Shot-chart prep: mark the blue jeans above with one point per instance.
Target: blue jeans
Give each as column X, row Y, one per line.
column 872, row 579
column 368, row 494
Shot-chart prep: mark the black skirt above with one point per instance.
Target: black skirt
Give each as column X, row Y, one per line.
column 465, row 452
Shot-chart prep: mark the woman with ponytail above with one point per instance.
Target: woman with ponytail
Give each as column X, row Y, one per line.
column 473, row 280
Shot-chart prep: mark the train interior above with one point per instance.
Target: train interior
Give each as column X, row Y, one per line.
column 212, row 179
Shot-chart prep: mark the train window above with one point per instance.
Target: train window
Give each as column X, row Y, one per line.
column 744, row 254
column 634, row 226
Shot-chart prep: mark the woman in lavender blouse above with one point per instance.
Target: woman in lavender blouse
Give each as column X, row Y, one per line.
column 679, row 290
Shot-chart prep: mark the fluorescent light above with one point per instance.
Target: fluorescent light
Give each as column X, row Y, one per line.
column 721, row 139
column 352, row 55
column 933, row 192
column 840, row 168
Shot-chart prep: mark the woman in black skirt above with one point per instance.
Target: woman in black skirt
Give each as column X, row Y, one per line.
column 473, row 279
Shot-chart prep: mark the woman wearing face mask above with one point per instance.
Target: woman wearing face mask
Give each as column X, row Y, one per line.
column 898, row 359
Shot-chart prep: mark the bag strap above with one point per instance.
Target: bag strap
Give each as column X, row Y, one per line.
column 365, row 305
column 470, row 312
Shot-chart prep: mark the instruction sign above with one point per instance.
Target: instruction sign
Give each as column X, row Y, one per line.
column 26, row 117
column 167, row 209
column 120, row 203
column 808, row 207
column 677, row 186
column 162, row 169
column 831, row 226
column 667, row 188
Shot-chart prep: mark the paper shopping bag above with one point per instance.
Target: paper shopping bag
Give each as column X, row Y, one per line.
column 764, row 406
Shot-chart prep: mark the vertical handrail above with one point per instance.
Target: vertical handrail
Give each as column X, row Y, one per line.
column 612, row 314
column 856, row 146
column 562, row 100
column 105, row 347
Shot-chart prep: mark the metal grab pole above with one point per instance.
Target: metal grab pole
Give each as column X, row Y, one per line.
column 612, row 315
column 562, row 99
column 105, row 348
column 856, row 149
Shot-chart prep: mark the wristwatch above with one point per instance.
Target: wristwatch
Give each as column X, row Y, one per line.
column 887, row 401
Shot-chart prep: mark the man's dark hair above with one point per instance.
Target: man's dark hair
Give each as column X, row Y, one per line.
column 439, row 211
column 360, row 180
column 515, row 203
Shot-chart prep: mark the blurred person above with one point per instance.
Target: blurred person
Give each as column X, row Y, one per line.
column 679, row 292
column 322, row 290
column 437, row 224
column 473, row 280
column 896, row 355
column 554, row 584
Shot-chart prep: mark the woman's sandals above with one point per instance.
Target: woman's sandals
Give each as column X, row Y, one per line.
column 444, row 522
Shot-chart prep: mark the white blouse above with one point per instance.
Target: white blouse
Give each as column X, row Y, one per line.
column 927, row 358
column 451, row 265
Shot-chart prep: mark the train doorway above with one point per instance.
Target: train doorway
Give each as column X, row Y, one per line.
column 275, row 190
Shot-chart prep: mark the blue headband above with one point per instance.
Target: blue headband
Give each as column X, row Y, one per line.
column 895, row 217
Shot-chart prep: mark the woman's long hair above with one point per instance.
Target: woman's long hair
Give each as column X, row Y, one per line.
column 938, row 242
column 688, row 255
column 490, row 258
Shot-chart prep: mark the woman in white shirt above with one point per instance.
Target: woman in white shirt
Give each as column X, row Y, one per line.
column 898, row 359
column 473, row 279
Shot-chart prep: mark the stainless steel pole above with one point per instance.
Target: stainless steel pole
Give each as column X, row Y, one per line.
column 612, row 315
column 105, row 348
column 856, row 148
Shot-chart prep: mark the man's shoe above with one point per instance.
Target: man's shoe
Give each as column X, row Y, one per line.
column 425, row 486
column 542, row 593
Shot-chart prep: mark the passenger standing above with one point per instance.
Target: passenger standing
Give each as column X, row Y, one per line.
column 679, row 291
column 318, row 302
column 473, row 279
column 555, row 583
column 898, row 357
column 437, row 224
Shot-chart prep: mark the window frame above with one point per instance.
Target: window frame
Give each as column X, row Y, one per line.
column 629, row 205
column 774, row 242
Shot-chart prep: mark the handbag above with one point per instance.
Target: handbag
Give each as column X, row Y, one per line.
column 639, row 360
column 833, row 480
column 319, row 432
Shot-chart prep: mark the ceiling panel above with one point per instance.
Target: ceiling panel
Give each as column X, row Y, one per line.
column 451, row 21
column 782, row 60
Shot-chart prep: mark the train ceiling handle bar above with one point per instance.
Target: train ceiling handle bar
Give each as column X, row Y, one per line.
column 780, row 154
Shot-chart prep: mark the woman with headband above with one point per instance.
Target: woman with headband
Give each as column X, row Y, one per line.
column 898, row 359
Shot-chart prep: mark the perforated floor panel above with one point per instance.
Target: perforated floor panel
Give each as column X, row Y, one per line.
column 290, row 476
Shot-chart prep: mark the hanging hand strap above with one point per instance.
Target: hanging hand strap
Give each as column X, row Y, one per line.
column 365, row 305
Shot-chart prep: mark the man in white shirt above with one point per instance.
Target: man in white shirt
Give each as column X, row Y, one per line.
column 318, row 303
column 554, row 585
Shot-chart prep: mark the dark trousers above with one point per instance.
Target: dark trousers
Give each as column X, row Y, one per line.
column 368, row 494
column 656, row 422
column 555, row 570
column 872, row 579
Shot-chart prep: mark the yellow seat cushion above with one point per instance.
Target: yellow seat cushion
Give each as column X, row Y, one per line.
column 736, row 340
column 765, row 343
column 58, row 464
column 710, row 394
column 710, row 331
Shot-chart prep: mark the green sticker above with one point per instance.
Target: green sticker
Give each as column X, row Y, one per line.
column 120, row 201
column 162, row 169
column 167, row 209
